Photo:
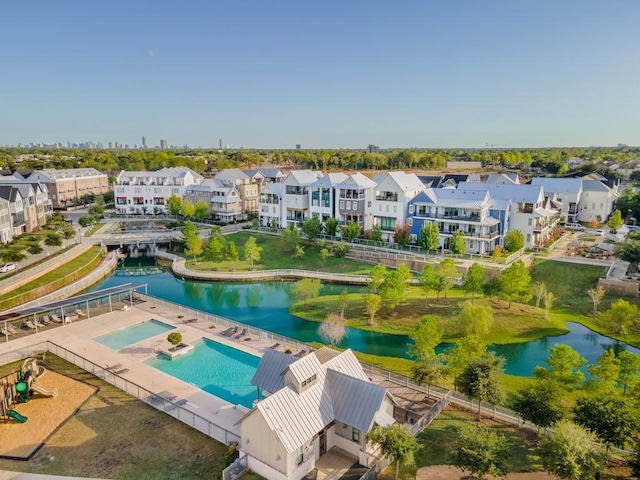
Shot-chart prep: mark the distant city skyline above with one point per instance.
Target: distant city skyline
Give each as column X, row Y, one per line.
column 436, row 74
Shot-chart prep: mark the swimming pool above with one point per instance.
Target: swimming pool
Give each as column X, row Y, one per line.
column 215, row 368
column 133, row 334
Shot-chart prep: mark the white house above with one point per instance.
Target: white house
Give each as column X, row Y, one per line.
column 393, row 191
column 6, row 230
column 224, row 201
column 323, row 196
column 296, row 198
column 313, row 404
column 355, row 200
column 248, row 185
column 16, row 209
column 147, row 192
column 568, row 192
column 270, row 205
column 597, row 201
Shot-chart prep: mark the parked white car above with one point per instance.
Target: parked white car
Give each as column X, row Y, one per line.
column 599, row 232
column 7, row 267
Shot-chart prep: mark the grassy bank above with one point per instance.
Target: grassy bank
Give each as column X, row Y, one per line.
column 273, row 257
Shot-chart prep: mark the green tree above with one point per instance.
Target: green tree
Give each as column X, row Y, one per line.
column 351, row 230
column 51, row 240
column 86, row 221
column 174, row 338
column 548, row 300
column 457, row 244
column 427, row 370
column 481, row 451
column 312, row 228
column 427, row 280
column 596, row 295
column 34, row 248
column 613, row 419
column 570, row 452
column 480, row 380
column 629, row 375
column 605, row 373
column 95, row 210
column 394, row 287
column 475, row 320
column 340, row 249
column 615, row 220
column 396, row 442
column 252, row 251
column 67, row 232
column 539, row 290
column 174, row 205
column 306, row 289
column 372, row 303
column 426, row 337
column 402, row 234
column 429, row 237
column 514, row 241
column 201, row 210
column 193, row 246
column 445, row 273
column 539, row 403
column 473, row 280
column 564, row 366
column 323, row 254
column 376, row 278
column 332, row 330
column 376, row 233
column 495, row 254
column 189, row 230
column 231, row 253
column 621, row 316
column 458, row 357
column 214, row 251
column 188, row 208
column 514, row 283
column 290, row 238
column 628, row 250
column 14, row 255
column 331, row 226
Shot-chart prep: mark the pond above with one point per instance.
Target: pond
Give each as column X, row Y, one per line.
column 265, row 305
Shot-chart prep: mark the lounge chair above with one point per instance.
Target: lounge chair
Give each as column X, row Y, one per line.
column 190, row 320
column 275, row 346
column 30, row 325
column 80, row 313
column 11, row 328
column 233, row 332
column 121, row 371
column 111, row 368
column 44, row 321
column 4, row 332
column 166, row 395
column 55, row 318
column 243, row 333
column 301, row 353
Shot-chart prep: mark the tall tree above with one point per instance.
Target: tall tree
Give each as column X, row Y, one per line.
column 252, row 251
column 193, row 246
column 629, row 375
column 539, row 403
column 396, row 442
column 429, row 237
column 331, row 226
column 605, row 373
column 214, row 251
column 426, row 337
column 306, row 289
column 174, row 205
column 564, row 366
column 570, row 452
column 376, row 233
column 548, row 300
column 514, row 283
column 473, row 280
column 539, row 290
column 480, row 381
column 376, row 278
column 615, row 220
column 464, row 351
column 613, row 419
column 231, row 253
column 402, row 234
column 621, row 316
column 445, row 273
column 201, row 210
column 290, row 238
column 475, row 320
column 372, row 303
column 427, row 370
column 514, row 241
column 332, row 330
column 596, row 295
column 628, row 250
column 351, row 230
column 481, row 451
column 188, row 208
column 457, row 244
column 427, row 280
column 394, row 287
column 312, row 228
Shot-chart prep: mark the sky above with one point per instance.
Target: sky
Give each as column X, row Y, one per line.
column 326, row 74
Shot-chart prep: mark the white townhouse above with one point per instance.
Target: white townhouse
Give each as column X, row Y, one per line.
column 321, row 401
column 393, row 191
column 147, row 192
column 16, row 209
column 504, row 178
column 295, row 198
column 247, row 185
column 36, row 201
column 65, row 185
column 269, row 175
column 355, row 200
column 6, row 230
column 568, row 192
column 531, row 212
column 597, row 202
column 270, row 205
column 224, row 201
column 323, row 196
column 457, row 210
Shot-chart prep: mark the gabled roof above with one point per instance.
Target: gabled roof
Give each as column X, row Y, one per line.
column 269, row 376
column 232, row 173
column 357, row 180
column 507, row 178
column 594, row 186
column 330, row 180
column 430, row 181
column 404, row 181
column 274, row 189
column 266, row 172
column 594, row 176
column 516, row 193
column 558, row 185
column 302, row 177
column 456, row 178
column 9, row 193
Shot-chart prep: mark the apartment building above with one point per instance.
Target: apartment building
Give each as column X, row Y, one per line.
column 6, row 230
column 248, row 186
column 567, row 192
column 322, row 192
column 66, row 185
column 295, row 198
column 270, row 205
column 354, row 198
column 224, row 201
column 453, row 210
column 16, row 209
column 393, row 191
column 147, row 192
column 597, row 201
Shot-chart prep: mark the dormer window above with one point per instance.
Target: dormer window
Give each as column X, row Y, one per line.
column 309, row 380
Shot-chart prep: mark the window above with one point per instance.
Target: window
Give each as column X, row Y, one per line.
column 300, row 455
column 355, row 435
column 410, row 222
column 309, row 380
column 348, row 206
column 529, row 222
column 528, row 238
column 341, row 204
column 410, row 208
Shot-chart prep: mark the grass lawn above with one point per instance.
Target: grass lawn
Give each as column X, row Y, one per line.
column 520, row 323
column 116, row 436
column 273, row 258
column 94, row 229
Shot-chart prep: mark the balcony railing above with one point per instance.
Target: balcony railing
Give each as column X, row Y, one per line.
column 472, row 218
column 490, row 235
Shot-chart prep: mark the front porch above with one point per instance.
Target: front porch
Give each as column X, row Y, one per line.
column 337, row 464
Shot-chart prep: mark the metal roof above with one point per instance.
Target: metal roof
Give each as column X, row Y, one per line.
column 20, row 312
column 325, row 354
column 305, row 367
column 269, row 376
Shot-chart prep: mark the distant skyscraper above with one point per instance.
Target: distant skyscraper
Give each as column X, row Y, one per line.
column 373, row 149
column 298, row 146
column 220, row 144
column 144, row 142
column 163, row 145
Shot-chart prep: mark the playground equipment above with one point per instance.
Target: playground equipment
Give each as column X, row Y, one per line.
column 18, row 387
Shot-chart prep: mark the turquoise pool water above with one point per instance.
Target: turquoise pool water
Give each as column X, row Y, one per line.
column 133, row 334
column 215, row 368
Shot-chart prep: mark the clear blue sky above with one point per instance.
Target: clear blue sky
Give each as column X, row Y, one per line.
column 330, row 74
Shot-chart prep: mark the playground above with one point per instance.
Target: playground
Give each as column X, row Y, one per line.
column 34, row 403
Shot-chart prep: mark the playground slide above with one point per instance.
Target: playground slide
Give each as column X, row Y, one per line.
column 47, row 392
column 16, row 416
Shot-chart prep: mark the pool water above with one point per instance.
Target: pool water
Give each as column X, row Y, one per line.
column 215, row 368
column 133, row 334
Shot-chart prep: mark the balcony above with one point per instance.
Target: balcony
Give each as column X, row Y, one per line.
column 487, row 236
column 387, row 196
column 442, row 216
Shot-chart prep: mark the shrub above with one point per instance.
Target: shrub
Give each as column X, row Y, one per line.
column 174, row 338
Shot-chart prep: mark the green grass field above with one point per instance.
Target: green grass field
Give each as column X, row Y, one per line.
column 273, row 257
